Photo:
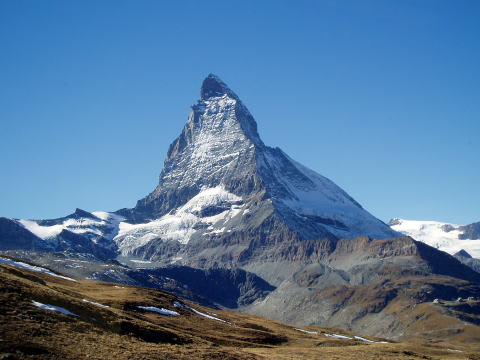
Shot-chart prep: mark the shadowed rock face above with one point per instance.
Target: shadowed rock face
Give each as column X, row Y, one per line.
column 15, row 236
column 463, row 253
column 466, row 259
column 71, row 242
column 230, row 288
column 471, row 231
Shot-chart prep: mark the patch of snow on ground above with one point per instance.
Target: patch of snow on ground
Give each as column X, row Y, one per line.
column 336, row 336
column 38, row 269
column 159, row 310
column 363, row 339
column 343, row 337
column 95, row 303
column 306, row 331
column 177, row 304
column 53, row 308
column 434, row 233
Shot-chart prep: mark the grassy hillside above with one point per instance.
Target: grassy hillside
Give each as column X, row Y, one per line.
column 109, row 323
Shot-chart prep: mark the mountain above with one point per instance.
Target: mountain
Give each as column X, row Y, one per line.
column 79, row 232
column 447, row 237
column 224, row 198
column 241, row 225
column 220, row 181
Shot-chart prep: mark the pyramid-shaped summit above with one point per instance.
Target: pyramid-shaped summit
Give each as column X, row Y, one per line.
column 223, row 194
column 213, row 86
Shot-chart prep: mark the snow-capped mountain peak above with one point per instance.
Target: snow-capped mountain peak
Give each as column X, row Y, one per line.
column 220, row 188
column 220, row 146
column 213, row 86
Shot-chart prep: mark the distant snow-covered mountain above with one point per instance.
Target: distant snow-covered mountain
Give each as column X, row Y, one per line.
column 447, row 237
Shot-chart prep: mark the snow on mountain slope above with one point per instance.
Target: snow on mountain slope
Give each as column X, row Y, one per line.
column 210, row 209
column 43, row 232
column 443, row 236
column 101, row 224
column 324, row 201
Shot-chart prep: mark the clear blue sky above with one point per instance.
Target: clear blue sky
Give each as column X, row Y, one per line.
column 382, row 97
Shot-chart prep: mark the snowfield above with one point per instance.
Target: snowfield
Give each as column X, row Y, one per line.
column 443, row 236
column 180, row 225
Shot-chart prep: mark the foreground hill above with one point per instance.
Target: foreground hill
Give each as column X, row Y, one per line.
column 46, row 315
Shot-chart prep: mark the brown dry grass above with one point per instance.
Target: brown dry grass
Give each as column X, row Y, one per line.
column 123, row 332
